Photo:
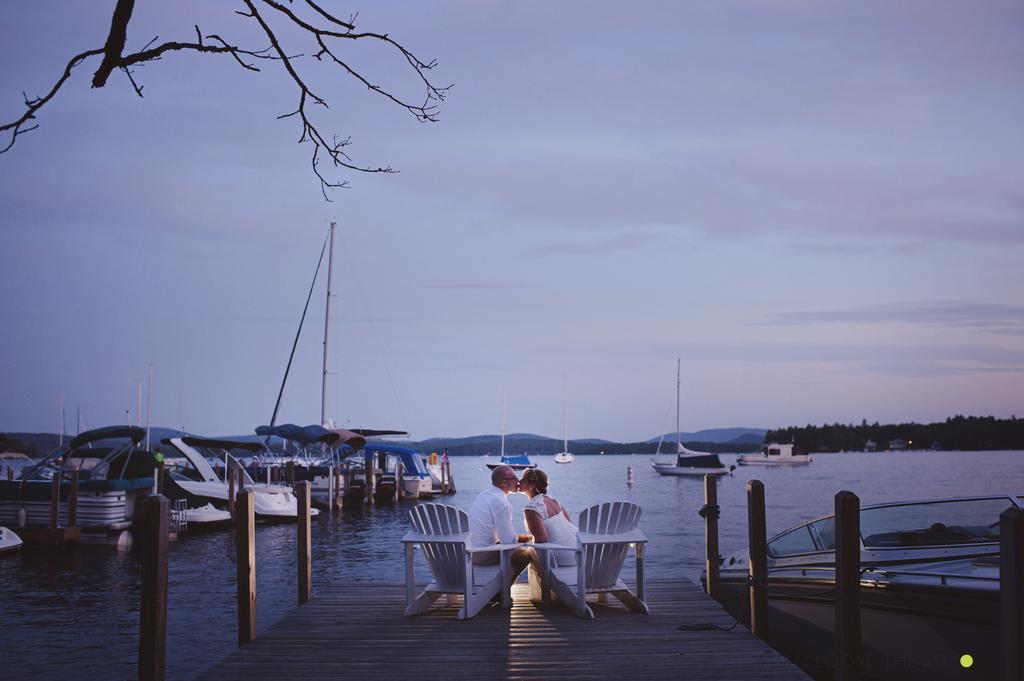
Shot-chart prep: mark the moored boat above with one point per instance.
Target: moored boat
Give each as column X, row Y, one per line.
column 194, row 474
column 687, row 461
column 929, row 588
column 517, row 462
column 776, row 455
column 9, row 541
column 113, row 473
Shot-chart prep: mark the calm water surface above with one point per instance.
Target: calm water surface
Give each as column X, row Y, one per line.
column 75, row 614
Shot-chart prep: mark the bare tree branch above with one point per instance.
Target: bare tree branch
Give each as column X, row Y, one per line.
column 323, row 28
column 33, row 105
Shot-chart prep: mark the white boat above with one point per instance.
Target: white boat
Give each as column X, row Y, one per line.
column 9, row 542
column 776, row 455
column 564, row 456
column 929, row 588
column 687, row 461
column 196, row 476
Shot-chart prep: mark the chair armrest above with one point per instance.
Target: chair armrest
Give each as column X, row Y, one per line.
column 417, row 538
column 631, row 537
column 493, row 547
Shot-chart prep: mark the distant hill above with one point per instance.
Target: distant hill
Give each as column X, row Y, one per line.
column 718, row 435
column 713, row 440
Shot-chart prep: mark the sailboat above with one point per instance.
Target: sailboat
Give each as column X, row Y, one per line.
column 564, row 456
column 688, row 462
column 516, row 462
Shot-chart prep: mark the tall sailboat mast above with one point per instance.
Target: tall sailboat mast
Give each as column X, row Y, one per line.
column 565, row 420
column 327, row 327
column 503, row 425
column 679, row 437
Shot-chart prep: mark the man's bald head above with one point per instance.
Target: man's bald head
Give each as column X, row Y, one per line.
column 499, row 474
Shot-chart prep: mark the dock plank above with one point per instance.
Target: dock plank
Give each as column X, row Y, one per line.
column 358, row 631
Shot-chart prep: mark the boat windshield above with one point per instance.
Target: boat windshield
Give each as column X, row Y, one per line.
column 965, row 521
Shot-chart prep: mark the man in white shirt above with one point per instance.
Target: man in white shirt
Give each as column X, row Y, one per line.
column 490, row 522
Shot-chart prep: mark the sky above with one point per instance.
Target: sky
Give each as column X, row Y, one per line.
column 818, row 208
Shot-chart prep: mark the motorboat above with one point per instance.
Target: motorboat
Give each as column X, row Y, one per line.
column 929, row 588
column 9, row 541
column 776, row 455
column 517, row 462
column 416, row 479
column 687, row 461
column 114, row 473
column 192, row 471
column 317, row 452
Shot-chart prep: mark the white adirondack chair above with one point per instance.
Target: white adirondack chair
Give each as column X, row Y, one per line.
column 443, row 534
column 606, row 533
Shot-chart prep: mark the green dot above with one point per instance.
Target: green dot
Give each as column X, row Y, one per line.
column 966, row 660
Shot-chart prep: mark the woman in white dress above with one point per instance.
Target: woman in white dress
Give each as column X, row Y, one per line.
column 546, row 519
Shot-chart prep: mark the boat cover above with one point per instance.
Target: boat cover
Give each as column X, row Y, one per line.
column 108, row 433
column 221, row 443
column 304, row 435
column 412, row 461
column 516, row 459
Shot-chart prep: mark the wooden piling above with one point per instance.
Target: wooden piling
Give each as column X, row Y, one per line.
column 291, row 472
column 10, row 472
column 847, row 609
column 153, row 606
column 245, row 541
column 54, row 501
column 304, row 542
column 1011, row 592
column 370, row 463
column 399, row 481
column 336, row 481
column 451, row 481
column 711, row 534
column 229, row 474
column 758, row 572
column 73, row 499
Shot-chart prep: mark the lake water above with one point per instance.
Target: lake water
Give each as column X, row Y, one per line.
column 76, row 614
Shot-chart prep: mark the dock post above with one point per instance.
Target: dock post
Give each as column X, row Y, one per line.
column 229, row 475
column 291, row 472
column 153, row 605
column 330, row 489
column 1011, row 592
column 710, row 513
column 73, row 499
column 451, row 482
column 847, row 585
column 245, row 541
column 399, row 475
column 304, row 542
column 54, row 505
column 337, row 488
column 10, row 472
column 758, row 574
column 370, row 463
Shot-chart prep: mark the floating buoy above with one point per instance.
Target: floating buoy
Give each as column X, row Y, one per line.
column 629, row 476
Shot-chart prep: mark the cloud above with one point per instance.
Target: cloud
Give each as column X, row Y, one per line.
column 990, row 317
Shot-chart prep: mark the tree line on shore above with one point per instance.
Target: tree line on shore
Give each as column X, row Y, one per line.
column 957, row 433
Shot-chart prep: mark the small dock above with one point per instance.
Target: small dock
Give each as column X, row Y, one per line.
column 358, row 632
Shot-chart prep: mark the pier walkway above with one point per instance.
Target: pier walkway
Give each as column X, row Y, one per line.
column 358, row 632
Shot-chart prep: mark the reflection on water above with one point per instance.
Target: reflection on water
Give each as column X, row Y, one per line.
column 75, row 614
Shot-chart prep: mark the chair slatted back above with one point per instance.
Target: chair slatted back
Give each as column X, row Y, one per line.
column 604, row 561
column 446, row 561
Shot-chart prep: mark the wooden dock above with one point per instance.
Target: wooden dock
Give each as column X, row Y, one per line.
column 358, row 632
